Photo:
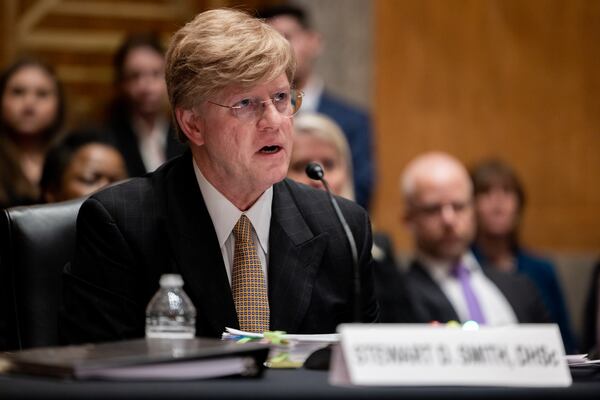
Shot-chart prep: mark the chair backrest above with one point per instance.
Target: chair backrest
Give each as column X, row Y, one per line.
column 35, row 244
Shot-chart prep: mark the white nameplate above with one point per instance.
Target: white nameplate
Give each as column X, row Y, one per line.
column 416, row 354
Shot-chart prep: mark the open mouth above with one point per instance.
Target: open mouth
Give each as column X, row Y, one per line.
column 270, row 149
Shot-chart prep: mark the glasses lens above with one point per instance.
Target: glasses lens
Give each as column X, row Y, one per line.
column 246, row 109
column 296, row 98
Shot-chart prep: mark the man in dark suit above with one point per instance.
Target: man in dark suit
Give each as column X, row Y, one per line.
column 234, row 106
column 293, row 23
column 138, row 123
column 445, row 280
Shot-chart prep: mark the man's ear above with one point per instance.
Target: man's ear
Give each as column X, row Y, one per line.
column 191, row 125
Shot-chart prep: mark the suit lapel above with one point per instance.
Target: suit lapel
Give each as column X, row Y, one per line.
column 295, row 255
column 196, row 249
column 436, row 305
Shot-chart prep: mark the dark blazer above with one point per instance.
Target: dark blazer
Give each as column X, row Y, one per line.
column 356, row 125
column 431, row 304
column 120, row 133
column 390, row 284
column 130, row 234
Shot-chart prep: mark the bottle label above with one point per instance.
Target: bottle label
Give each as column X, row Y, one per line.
column 162, row 334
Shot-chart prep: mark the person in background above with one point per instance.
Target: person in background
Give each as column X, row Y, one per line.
column 139, row 124
column 78, row 165
column 317, row 138
column 499, row 205
column 293, row 23
column 446, row 281
column 256, row 251
column 32, row 114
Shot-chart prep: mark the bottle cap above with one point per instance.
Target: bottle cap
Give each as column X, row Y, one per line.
column 171, row 280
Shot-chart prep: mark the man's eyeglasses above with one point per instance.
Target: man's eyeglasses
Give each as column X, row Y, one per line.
column 286, row 103
column 435, row 210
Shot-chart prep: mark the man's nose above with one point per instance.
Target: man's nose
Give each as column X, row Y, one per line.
column 448, row 213
column 270, row 117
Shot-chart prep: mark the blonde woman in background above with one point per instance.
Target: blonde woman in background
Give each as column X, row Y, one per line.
column 320, row 139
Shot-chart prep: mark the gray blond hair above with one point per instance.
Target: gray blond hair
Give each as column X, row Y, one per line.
column 220, row 48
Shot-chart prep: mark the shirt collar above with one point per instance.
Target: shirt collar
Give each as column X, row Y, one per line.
column 225, row 215
column 441, row 269
column 158, row 132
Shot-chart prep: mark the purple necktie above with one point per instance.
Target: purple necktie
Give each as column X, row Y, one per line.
column 462, row 274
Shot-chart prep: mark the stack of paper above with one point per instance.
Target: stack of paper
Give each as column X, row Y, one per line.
column 296, row 349
column 581, row 360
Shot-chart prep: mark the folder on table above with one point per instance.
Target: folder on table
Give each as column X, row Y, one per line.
column 146, row 359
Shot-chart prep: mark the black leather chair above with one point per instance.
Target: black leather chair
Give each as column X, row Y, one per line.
column 35, row 244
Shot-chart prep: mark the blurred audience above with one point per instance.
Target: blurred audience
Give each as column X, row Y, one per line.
column 293, row 23
column 32, row 116
column 446, row 281
column 139, row 122
column 80, row 164
column 499, row 205
column 318, row 138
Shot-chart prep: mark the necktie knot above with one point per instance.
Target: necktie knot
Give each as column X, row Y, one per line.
column 460, row 271
column 242, row 231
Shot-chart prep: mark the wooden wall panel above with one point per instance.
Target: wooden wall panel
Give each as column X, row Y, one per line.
column 507, row 78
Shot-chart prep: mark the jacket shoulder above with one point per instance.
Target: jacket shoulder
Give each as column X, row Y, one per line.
column 316, row 201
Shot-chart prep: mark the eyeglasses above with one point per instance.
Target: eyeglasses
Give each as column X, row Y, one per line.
column 436, row 210
column 286, row 103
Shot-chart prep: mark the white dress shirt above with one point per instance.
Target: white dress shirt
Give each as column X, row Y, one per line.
column 494, row 306
column 225, row 215
column 152, row 143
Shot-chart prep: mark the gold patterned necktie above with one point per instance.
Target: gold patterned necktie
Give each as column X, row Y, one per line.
column 248, row 281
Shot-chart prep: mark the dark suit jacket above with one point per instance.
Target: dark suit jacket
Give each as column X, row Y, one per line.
column 130, row 234
column 120, row 133
column 356, row 125
column 390, row 284
column 431, row 304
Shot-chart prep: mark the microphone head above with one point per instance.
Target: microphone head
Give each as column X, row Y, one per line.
column 315, row 171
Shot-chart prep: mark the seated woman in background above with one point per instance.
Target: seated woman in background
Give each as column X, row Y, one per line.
column 31, row 118
column 499, row 204
column 318, row 138
column 80, row 164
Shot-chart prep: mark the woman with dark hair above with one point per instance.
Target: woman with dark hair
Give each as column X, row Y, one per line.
column 139, row 124
column 80, row 164
column 499, row 203
column 31, row 118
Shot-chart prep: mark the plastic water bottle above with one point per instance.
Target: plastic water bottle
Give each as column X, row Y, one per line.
column 170, row 314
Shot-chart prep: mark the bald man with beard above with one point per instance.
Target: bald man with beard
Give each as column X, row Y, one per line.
column 445, row 280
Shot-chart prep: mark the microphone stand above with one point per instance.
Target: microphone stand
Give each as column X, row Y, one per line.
column 315, row 171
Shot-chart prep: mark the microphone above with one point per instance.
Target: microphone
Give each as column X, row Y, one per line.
column 315, row 172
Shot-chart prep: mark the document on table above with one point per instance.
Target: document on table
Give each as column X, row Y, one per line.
column 581, row 360
column 324, row 338
column 298, row 347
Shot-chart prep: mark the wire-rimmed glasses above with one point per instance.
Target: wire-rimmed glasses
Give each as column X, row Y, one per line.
column 287, row 103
